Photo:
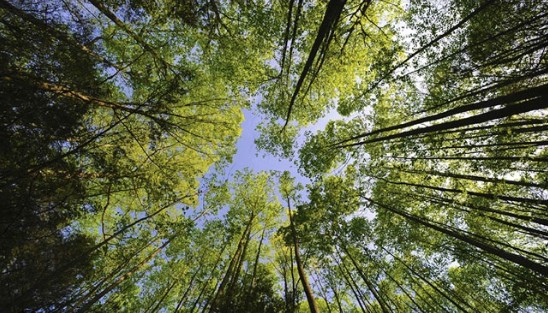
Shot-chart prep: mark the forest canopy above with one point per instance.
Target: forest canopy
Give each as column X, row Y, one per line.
column 425, row 191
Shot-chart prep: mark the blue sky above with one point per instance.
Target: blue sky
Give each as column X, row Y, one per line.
column 248, row 156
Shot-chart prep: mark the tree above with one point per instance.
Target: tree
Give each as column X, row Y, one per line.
column 427, row 191
column 39, row 197
column 93, row 144
column 288, row 192
column 449, row 168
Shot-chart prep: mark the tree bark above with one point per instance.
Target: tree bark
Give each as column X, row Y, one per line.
column 514, row 258
column 302, row 275
column 532, row 99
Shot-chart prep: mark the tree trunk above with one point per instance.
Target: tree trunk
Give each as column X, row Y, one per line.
column 515, row 258
column 369, row 285
column 119, row 280
column 302, row 275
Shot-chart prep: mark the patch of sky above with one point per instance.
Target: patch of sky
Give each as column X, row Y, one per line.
column 247, row 155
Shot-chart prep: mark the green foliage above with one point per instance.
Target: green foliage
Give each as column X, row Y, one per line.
column 118, row 120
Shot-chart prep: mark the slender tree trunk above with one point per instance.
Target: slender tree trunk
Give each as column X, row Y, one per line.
column 511, row 145
column 168, row 290
column 231, row 267
column 429, row 283
column 241, row 259
column 257, row 256
column 425, row 47
column 294, row 282
column 356, row 288
column 286, row 35
column 332, row 13
column 471, row 177
column 480, row 212
column 403, row 289
column 369, row 285
column 300, row 268
column 324, row 295
column 364, row 309
column 526, row 94
column 473, row 193
column 286, row 288
column 537, row 103
column 479, row 158
column 195, row 304
column 336, row 295
column 122, row 278
column 187, row 290
column 113, row 18
column 190, row 284
column 515, row 258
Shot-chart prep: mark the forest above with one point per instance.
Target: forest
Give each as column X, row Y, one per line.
column 417, row 129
